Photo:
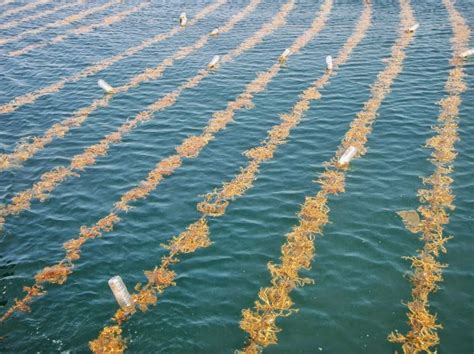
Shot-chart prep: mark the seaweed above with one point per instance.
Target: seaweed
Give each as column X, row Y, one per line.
column 298, row 251
column 56, row 274
column 104, row 22
column 168, row 165
column 30, row 6
column 435, row 203
column 197, row 234
column 59, row 23
column 25, row 151
column 38, row 14
column 110, row 341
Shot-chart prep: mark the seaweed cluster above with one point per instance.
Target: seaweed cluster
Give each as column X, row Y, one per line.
column 104, row 22
column 27, row 149
column 37, row 15
column 32, row 5
column 51, row 179
column 31, row 97
column 298, row 251
column 194, row 237
column 163, row 168
column 186, row 242
column 59, row 23
column 436, row 201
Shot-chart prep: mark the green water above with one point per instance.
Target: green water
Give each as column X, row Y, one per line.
column 359, row 272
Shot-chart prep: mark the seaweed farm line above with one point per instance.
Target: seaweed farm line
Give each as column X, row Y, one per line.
column 25, row 151
column 31, row 97
column 197, row 234
column 38, row 14
column 59, row 23
column 168, row 170
column 50, row 180
column 58, row 273
column 298, row 251
column 104, row 22
column 26, row 7
column 436, row 202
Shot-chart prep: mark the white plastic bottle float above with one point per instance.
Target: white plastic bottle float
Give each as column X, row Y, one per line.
column 214, row 32
column 121, row 293
column 347, row 156
column 329, row 63
column 468, row 53
column 413, row 28
column 214, row 62
column 183, row 20
column 105, row 86
column 284, row 57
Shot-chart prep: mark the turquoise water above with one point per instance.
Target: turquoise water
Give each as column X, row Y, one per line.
column 359, row 273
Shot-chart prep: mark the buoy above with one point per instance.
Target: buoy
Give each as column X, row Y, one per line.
column 467, row 53
column 121, row 293
column 329, row 62
column 213, row 63
column 214, row 32
column 285, row 55
column 183, row 19
column 413, row 28
column 347, row 156
column 105, row 86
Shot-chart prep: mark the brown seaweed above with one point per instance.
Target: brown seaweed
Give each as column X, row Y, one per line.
column 298, row 251
column 435, row 203
column 212, row 206
column 164, row 167
column 27, row 150
column 105, row 22
column 59, row 23
column 38, row 14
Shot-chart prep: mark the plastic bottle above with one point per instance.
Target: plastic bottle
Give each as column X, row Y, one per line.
column 347, row 156
column 213, row 63
column 121, row 293
column 285, row 55
column 183, row 20
column 329, row 62
column 468, row 53
column 413, row 28
column 105, row 86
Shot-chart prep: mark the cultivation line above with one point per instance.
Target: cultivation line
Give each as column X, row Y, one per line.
column 25, row 151
column 436, row 202
column 51, row 179
column 197, row 234
column 6, row 2
column 31, row 97
column 39, row 14
column 26, row 7
column 104, row 22
column 298, row 251
column 59, row 23
column 58, row 273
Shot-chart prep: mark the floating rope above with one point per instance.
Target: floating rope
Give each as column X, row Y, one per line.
column 59, row 23
column 197, row 234
column 104, row 22
column 30, row 6
column 58, row 273
column 298, row 251
column 57, row 175
column 39, row 14
column 436, row 202
column 31, row 97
